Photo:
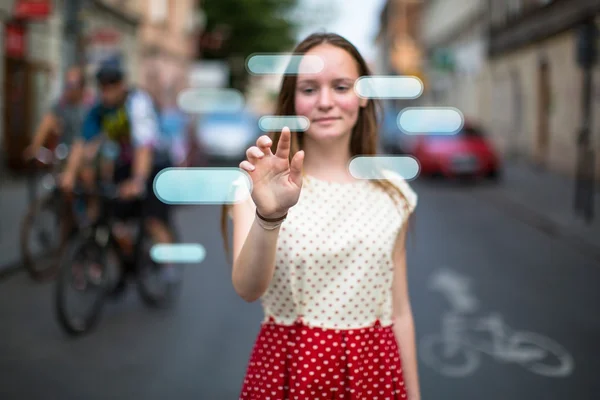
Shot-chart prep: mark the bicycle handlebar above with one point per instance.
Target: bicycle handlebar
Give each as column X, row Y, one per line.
column 47, row 156
column 107, row 191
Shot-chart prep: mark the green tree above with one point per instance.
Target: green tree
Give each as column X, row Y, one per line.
column 248, row 26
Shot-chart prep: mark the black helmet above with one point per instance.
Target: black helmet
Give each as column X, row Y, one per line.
column 109, row 74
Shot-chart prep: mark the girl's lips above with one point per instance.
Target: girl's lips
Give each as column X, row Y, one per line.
column 326, row 119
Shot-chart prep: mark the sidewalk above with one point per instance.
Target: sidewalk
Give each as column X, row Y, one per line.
column 545, row 199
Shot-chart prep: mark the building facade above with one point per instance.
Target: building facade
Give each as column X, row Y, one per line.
column 29, row 52
column 33, row 53
column 154, row 40
column 168, row 40
column 398, row 46
column 110, row 33
column 533, row 86
column 453, row 36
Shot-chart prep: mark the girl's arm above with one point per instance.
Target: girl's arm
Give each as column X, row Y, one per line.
column 404, row 328
column 254, row 251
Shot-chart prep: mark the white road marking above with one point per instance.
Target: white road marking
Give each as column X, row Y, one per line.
column 456, row 351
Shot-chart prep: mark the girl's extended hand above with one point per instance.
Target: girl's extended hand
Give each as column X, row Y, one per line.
column 276, row 182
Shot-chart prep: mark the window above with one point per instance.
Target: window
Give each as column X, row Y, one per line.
column 159, row 11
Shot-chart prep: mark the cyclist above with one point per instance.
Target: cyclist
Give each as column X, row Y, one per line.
column 126, row 118
column 65, row 117
column 61, row 124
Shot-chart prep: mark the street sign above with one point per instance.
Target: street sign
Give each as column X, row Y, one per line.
column 32, row 9
column 103, row 45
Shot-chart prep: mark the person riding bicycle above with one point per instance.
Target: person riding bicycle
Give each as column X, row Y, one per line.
column 65, row 117
column 63, row 121
column 125, row 117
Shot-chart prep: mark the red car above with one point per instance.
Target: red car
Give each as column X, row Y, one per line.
column 467, row 153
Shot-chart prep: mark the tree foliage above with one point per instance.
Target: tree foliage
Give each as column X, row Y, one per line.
column 249, row 26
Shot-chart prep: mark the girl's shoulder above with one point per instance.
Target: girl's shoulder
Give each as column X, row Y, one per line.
column 399, row 182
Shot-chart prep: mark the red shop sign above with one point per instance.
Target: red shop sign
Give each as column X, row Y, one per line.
column 33, row 9
column 14, row 40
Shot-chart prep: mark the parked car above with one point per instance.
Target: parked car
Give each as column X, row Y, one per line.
column 467, row 153
column 225, row 136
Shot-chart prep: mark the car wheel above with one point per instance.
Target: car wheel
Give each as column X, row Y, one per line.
column 494, row 175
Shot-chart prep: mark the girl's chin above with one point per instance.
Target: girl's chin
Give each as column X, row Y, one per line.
column 325, row 133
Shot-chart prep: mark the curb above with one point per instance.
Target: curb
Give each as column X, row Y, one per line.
column 540, row 222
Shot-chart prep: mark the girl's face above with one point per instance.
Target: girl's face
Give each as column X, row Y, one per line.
column 327, row 98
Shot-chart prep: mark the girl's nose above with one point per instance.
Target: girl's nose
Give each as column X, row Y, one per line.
column 325, row 99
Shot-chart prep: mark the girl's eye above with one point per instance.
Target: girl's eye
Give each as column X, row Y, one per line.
column 342, row 88
column 307, row 90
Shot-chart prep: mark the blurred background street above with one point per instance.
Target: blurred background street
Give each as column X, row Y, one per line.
column 505, row 250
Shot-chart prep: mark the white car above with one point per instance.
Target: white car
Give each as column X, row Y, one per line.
column 224, row 137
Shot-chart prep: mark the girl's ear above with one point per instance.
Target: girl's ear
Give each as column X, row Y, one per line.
column 363, row 102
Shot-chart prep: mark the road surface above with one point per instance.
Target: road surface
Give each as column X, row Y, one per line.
column 532, row 282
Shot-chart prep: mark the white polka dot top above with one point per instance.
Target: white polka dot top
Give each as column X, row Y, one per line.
column 334, row 263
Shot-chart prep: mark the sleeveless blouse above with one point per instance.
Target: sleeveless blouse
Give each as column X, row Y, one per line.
column 334, row 266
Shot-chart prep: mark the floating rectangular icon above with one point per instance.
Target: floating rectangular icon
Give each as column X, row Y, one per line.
column 430, row 120
column 284, row 64
column 388, row 87
column 202, row 185
column 375, row 167
column 211, row 100
column 277, row 123
column 191, row 253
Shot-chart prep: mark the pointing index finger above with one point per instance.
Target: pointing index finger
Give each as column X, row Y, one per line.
column 284, row 144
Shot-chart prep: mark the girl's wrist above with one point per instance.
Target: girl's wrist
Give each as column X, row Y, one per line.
column 269, row 223
column 271, row 218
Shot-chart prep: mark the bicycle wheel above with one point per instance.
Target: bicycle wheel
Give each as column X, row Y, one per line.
column 448, row 358
column 156, row 288
column 42, row 238
column 83, row 268
column 542, row 355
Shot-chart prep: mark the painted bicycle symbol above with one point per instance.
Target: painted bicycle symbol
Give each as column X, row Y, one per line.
column 458, row 349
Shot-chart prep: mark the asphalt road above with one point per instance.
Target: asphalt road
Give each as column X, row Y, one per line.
column 466, row 256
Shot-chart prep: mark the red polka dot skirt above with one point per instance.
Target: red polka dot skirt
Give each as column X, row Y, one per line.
column 300, row 362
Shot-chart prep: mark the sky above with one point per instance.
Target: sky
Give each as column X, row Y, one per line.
column 356, row 20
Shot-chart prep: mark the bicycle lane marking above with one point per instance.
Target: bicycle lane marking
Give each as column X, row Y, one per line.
column 454, row 353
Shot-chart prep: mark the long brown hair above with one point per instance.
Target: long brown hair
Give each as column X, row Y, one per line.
column 364, row 138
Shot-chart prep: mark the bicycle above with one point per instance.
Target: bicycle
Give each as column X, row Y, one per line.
column 41, row 244
column 456, row 351
column 87, row 255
